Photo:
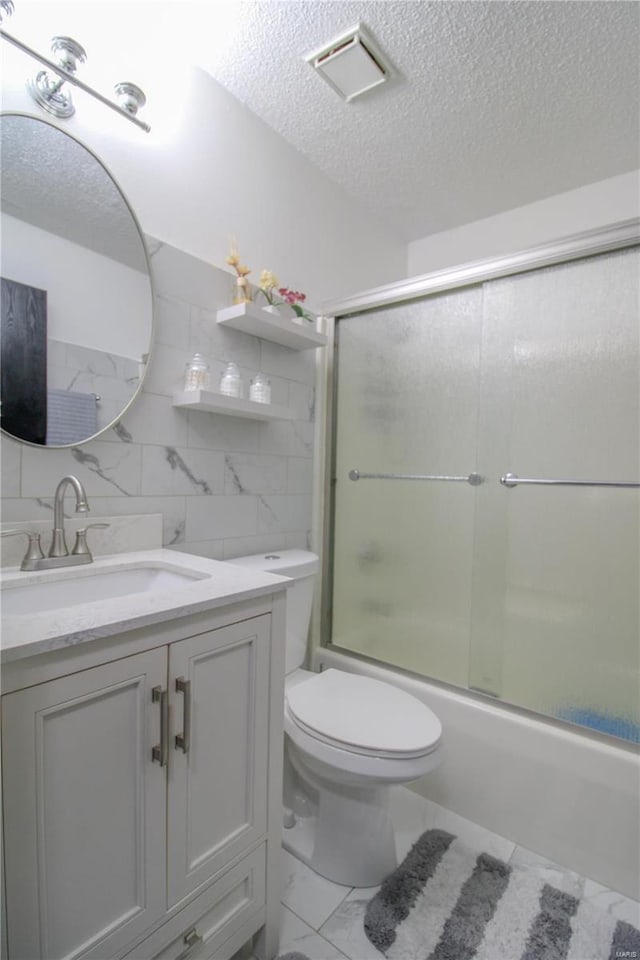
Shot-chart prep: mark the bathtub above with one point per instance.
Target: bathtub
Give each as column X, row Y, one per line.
column 570, row 795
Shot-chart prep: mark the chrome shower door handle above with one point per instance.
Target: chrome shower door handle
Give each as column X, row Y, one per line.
column 473, row 479
column 183, row 740
column 160, row 753
column 512, row 480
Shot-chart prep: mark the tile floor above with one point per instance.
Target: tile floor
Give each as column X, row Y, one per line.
column 324, row 920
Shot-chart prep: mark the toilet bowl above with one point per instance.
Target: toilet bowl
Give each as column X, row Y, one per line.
column 348, row 739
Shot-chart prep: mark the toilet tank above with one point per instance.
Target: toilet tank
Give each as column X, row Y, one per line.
column 302, row 566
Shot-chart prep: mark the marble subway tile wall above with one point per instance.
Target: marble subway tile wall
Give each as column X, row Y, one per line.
column 224, row 486
column 111, row 377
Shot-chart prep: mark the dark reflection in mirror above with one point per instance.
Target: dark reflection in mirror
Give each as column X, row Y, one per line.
column 76, row 318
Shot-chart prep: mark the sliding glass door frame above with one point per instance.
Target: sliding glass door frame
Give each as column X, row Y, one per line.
column 617, row 236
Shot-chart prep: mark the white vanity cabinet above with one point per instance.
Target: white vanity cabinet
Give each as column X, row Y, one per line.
column 140, row 813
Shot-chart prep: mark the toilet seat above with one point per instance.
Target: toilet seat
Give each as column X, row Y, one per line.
column 363, row 716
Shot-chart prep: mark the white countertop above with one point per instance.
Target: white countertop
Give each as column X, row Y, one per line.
column 222, row 583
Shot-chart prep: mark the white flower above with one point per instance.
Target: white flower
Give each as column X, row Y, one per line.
column 268, row 280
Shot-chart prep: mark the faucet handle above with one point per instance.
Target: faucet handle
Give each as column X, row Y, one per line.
column 34, row 549
column 80, row 546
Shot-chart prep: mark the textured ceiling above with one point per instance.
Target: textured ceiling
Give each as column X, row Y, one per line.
column 53, row 182
column 496, row 104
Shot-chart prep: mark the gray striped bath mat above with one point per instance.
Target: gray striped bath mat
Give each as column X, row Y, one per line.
column 446, row 902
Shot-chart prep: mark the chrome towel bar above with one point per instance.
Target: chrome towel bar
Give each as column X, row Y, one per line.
column 512, row 480
column 508, row 480
column 474, row 479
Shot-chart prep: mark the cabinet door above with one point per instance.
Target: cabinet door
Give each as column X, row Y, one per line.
column 84, row 808
column 218, row 788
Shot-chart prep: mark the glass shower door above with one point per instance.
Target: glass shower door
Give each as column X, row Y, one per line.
column 407, row 404
column 557, row 574
column 527, row 592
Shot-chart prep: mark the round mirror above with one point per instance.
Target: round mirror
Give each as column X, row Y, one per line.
column 76, row 318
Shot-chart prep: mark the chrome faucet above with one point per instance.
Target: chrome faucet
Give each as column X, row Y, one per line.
column 58, row 543
column 59, row 555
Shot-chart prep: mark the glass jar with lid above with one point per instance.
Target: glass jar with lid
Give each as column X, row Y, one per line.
column 260, row 389
column 196, row 374
column 231, row 382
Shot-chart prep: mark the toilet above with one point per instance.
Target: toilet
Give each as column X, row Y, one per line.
column 348, row 739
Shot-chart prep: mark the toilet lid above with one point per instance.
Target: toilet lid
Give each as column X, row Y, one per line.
column 364, row 714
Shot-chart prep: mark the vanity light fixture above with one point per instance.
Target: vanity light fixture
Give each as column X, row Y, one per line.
column 130, row 97
column 48, row 90
column 47, row 87
column 351, row 64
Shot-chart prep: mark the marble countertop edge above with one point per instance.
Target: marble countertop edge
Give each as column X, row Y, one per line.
column 220, row 583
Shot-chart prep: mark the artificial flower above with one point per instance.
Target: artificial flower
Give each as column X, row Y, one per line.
column 243, row 290
column 268, row 280
column 294, row 298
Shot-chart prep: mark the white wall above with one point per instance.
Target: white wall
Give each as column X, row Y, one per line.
column 92, row 301
column 586, row 208
column 210, row 169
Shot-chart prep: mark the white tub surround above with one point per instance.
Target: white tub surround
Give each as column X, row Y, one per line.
column 142, row 758
column 572, row 797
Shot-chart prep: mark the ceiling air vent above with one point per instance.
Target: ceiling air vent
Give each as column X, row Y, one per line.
column 351, row 64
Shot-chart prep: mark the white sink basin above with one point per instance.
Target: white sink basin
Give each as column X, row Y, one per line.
column 48, row 610
column 82, row 585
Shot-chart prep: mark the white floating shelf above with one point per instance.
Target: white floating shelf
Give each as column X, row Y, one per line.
column 231, row 406
column 249, row 318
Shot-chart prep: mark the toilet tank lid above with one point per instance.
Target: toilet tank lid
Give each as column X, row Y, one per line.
column 286, row 563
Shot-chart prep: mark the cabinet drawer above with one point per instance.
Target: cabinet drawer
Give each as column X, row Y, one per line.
column 201, row 927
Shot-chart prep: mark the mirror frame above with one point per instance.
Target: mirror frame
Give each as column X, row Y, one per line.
column 152, row 334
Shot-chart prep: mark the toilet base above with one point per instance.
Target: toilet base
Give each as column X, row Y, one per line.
column 348, row 838
column 350, row 869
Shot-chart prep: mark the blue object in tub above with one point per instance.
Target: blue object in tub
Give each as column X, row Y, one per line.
column 614, row 726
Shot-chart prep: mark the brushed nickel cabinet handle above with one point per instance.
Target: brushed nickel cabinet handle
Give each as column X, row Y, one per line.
column 160, row 753
column 183, row 740
column 191, row 938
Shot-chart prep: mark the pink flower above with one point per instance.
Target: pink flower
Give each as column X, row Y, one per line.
column 291, row 296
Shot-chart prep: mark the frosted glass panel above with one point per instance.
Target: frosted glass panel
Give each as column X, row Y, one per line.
column 407, row 403
column 563, row 581
column 530, row 594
